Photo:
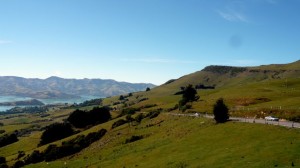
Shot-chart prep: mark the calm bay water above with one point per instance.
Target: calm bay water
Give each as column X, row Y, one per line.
column 46, row 101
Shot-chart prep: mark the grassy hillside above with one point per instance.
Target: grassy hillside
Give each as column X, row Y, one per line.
column 190, row 142
column 262, row 88
column 172, row 141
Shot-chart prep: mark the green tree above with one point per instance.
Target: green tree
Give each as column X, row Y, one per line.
column 148, row 89
column 189, row 94
column 220, row 111
column 121, row 97
column 55, row 132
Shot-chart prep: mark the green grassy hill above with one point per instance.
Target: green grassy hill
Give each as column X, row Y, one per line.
column 173, row 141
column 267, row 88
column 177, row 142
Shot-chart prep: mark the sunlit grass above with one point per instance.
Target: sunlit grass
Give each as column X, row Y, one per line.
column 195, row 142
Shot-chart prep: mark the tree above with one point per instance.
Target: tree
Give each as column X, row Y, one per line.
column 78, row 118
column 220, row 111
column 8, row 139
column 121, row 97
column 55, row 132
column 81, row 119
column 148, row 89
column 189, row 94
column 99, row 115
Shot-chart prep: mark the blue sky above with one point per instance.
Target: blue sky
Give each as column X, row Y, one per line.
column 143, row 40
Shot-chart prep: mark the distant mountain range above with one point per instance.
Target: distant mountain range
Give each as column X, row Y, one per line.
column 55, row 87
column 31, row 102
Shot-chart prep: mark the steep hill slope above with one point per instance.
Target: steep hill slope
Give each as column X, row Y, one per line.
column 181, row 141
column 252, row 88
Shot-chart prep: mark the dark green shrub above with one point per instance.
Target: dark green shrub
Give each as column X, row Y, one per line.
column 121, row 97
column 130, row 110
column 133, row 138
column 20, row 154
column 51, row 153
column 18, row 164
column 149, row 106
column 81, row 119
column 78, row 119
column 295, row 118
column 55, row 132
column 153, row 114
column 67, row 148
column 3, row 165
column 143, row 99
column 8, row 139
column 99, row 115
column 34, row 157
column 2, row 160
column 185, row 107
column 220, row 111
column 118, row 123
column 189, row 94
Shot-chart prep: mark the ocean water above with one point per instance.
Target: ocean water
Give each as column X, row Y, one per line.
column 46, row 101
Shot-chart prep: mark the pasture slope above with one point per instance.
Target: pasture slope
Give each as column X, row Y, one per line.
column 180, row 141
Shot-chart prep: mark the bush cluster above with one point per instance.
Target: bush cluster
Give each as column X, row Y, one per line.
column 93, row 102
column 81, row 119
column 118, row 123
column 55, row 132
column 189, row 94
column 130, row 110
column 3, row 162
column 53, row 152
column 8, row 139
column 153, row 114
column 148, row 106
column 133, row 138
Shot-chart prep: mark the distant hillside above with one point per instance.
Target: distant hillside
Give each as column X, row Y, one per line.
column 228, row 75
column 31, row 102
column 55, row 87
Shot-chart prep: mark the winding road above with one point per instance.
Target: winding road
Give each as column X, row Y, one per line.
column 284, row 123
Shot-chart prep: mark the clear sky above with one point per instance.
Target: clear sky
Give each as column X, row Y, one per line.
column 143, row 40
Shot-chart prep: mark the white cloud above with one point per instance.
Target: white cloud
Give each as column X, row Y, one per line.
column 158, row 60
column 5, row 42
column 232, row 16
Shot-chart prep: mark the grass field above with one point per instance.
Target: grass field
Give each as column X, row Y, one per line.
column 173, row 141
column 191, row 142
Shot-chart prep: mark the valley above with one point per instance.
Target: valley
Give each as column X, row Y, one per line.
column 143, row 133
